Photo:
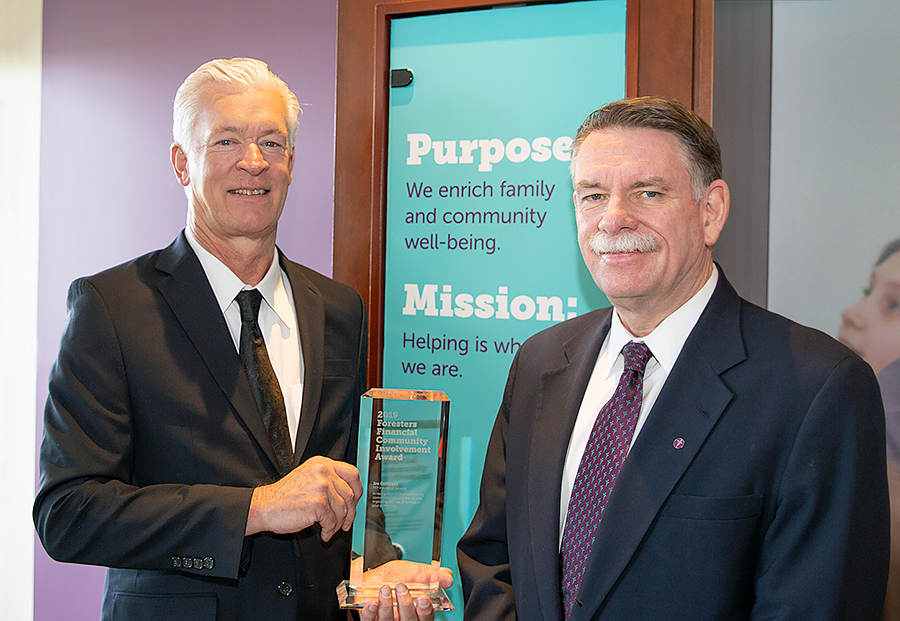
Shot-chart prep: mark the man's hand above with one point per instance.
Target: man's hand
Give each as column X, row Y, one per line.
column 406, row 610
column 406, row 572
column 320, row 490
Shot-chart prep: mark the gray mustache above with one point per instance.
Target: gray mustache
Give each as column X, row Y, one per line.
column 627, row 241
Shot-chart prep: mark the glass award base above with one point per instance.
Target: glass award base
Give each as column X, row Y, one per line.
column 355, row 598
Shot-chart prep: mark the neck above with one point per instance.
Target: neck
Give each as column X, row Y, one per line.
column 638, row 324
column 249, row 259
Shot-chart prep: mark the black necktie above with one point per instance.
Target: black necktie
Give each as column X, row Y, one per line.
column 263, row 381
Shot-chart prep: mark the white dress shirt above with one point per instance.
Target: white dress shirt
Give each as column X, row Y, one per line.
column 665, row 343
column 277, row 321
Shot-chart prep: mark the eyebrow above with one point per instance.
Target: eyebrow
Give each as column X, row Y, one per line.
column 651, row 182
column 589, row 185
column 642, row 183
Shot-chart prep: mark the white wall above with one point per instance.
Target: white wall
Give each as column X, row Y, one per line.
column 835, row 152
column 20, row 131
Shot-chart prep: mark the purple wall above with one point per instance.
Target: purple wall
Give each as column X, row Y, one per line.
column 110, row 71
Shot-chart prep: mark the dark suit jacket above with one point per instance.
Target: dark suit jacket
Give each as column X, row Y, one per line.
column 153, row 444
column 775, row 508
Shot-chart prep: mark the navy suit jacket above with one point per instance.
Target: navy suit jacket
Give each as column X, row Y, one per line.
column 153, row 444
column 775, row 507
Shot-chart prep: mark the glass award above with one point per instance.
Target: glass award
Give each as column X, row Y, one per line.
column 402, row 458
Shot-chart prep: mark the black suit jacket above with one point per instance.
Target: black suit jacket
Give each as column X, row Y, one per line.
column 153, row 444
column 774, row 508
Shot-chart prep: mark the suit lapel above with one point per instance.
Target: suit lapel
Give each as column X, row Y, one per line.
column 311, row 323
column 559, row 400
column 688, row 408
column 187, row 292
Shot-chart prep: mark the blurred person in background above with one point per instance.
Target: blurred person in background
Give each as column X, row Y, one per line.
column 872, row 329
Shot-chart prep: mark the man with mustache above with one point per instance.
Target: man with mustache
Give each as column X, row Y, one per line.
column 683, row 454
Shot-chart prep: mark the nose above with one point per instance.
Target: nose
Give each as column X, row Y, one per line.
column 616, row 216
column 252, row 160
column 854, row 317
column 853, row 331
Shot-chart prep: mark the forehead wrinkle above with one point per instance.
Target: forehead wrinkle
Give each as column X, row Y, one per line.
column 239, row 129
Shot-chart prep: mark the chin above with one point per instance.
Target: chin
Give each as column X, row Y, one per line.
column 615, row 288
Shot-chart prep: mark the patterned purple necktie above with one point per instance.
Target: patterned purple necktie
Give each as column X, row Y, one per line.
column 606, row 449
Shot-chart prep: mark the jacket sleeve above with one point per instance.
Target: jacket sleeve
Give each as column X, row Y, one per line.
column 483, row 552
column 825, row 555
column 88, row 509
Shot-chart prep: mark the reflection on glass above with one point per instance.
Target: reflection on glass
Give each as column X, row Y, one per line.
column 402, row 462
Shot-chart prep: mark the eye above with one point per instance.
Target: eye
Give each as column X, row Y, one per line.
column 651, row 194
column 888, row 299
column 270, row 144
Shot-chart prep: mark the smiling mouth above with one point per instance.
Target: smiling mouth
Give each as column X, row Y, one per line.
column 248, row 192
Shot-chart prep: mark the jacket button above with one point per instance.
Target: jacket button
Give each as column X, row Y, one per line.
column 209, row 562
column 176, row 562
column 198, row 563
column 285, row 588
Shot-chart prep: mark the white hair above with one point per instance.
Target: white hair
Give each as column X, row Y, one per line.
column 238, row 73
column 602, row 242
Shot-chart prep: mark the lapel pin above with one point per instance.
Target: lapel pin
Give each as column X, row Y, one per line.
column 678, row 443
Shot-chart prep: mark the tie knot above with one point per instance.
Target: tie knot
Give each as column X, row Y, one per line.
column 636, row 356
column 249, row 300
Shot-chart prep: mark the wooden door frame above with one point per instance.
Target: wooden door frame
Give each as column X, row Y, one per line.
column 676, row 61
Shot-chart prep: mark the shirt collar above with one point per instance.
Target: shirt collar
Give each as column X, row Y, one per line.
column 667, row 339
column 225, row 284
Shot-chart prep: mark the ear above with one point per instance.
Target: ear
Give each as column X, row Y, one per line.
column 291, row 164
column 180, row 164
column 716, row 202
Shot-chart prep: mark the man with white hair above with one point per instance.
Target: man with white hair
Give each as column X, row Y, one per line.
column 202, row 415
